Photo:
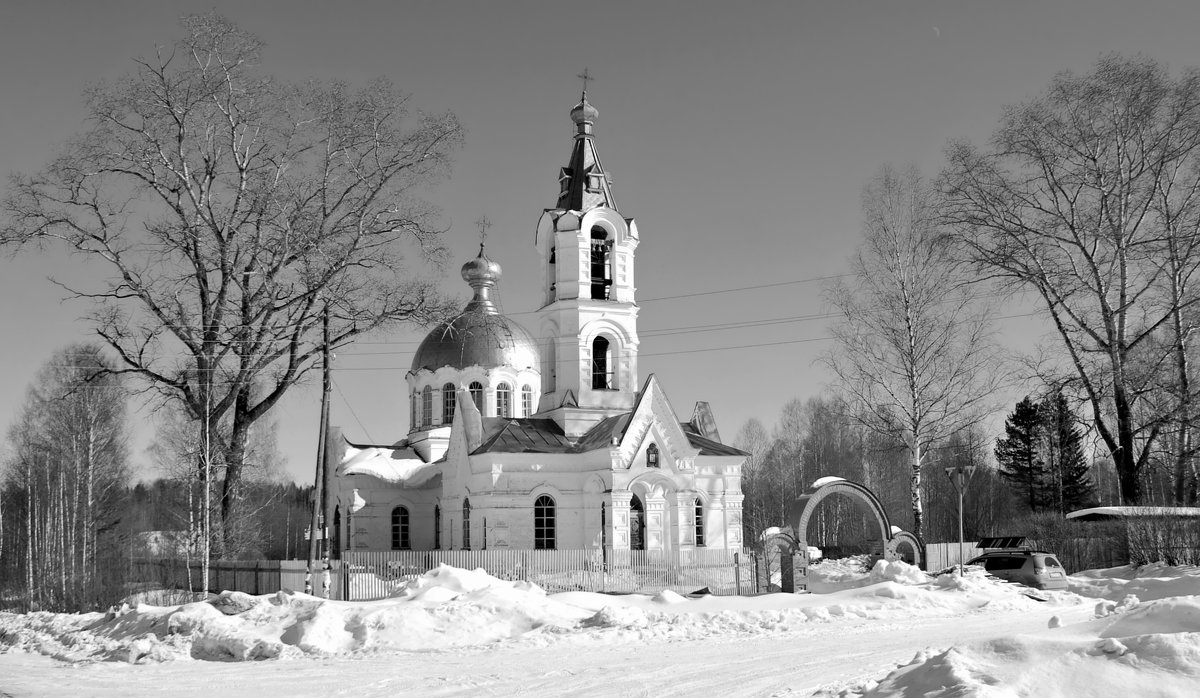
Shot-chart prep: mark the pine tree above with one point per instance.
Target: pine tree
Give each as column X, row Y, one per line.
column 1070, row 481
column 1020, row 455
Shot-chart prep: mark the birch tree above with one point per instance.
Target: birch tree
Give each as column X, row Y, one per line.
column 231, row 211
column 914, row 353
column 1086, row 196
column 66, row 475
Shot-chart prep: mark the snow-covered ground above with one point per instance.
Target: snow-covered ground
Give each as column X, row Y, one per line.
column 886, row 631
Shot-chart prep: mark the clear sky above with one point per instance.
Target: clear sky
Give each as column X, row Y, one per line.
column 739, row 136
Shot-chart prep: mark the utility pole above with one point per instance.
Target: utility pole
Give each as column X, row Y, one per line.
column 959, row 476
column 318, row 527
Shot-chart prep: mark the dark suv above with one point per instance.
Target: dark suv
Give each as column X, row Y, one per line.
column 1033, row 568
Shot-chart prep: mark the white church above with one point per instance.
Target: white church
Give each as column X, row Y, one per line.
column 546, row 441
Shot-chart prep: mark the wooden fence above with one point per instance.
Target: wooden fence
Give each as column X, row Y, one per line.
column 376, row 575
column 250, row 576
column 1075, row 554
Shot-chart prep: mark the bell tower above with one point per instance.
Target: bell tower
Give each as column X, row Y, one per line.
column 589, row 317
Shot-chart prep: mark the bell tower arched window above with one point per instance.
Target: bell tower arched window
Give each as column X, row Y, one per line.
column 601, row 264
column 603, row 373
column 699, row 522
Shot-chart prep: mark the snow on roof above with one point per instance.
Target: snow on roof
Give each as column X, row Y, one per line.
column 1132, row 512
column 391, row 465
column 828, row 479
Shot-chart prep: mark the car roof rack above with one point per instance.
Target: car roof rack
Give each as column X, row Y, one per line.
column 1001, row 542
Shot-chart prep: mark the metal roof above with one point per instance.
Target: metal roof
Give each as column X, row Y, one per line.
column 1103, row 513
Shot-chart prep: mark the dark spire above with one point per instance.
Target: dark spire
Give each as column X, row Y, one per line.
column 583, row 183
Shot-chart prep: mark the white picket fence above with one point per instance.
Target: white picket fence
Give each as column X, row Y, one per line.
column 375, row 575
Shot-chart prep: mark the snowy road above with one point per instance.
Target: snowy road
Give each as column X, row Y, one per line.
column 798, row 662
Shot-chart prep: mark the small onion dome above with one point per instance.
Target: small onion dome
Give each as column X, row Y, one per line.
column 584, row 114
column 481, row 273
column 479, row 335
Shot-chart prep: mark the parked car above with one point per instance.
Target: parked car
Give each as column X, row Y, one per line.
column 1033, row 568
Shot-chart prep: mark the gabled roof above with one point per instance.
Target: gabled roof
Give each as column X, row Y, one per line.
column 502, row 435
column 708, row 447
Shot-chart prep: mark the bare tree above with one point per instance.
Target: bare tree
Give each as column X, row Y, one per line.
column 67, row 471
column 914, row 351
column 232, row 212
column 1087, row 196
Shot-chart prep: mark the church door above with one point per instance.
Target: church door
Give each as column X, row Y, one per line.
column 637, row 524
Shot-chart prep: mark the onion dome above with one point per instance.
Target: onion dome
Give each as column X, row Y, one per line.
column 479, row 335
column 584, row 115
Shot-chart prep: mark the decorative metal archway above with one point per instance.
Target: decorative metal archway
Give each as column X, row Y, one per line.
column 792, row 541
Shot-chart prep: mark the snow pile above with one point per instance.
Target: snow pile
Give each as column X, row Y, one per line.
column 898, row 571
column 1149, row 582
column 1129, row 647
column 444, row 608
column 449, row 607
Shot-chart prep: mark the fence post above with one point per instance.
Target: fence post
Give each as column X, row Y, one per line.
column 737, row 573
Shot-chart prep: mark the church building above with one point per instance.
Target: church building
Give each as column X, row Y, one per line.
column 546, row 441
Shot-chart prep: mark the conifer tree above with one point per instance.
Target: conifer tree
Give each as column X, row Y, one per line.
column 1020, row 453
column 1070, row 481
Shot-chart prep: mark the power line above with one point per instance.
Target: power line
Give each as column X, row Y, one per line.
column 352, row 412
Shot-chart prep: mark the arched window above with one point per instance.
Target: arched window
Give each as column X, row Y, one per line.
column 603, row 377
column 476, row 389
column 437, row 527
column 412, row 412
column 466, row 524
column 503, row 400
column 400, row 528
column 652, row 456
column 543, row 523
column 637, row 524
column 526, row 401
column 699, row 508
column 601, row 264
column 551, row 371
column 449, row 401
column 427, row 406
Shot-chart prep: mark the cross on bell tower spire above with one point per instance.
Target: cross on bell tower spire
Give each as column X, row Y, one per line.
column 586, row 77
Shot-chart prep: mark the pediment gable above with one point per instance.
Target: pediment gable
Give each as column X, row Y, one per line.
column 653, row 416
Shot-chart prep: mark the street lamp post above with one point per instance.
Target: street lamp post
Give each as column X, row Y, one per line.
column 959, row 476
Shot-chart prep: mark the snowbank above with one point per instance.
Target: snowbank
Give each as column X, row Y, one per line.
column 449, row 607
column 1100, row 639
column 1129, row 647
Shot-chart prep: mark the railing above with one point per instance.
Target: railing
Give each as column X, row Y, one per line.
column 376, row 575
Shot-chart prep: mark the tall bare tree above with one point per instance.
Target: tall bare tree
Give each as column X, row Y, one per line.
column 914, row 352
column 1087, row 196
column 231, row 211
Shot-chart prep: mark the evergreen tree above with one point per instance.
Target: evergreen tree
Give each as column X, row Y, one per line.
column 1070, row 483
column 1020, row 453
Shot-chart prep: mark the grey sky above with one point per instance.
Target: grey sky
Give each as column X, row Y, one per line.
column 739, row 136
